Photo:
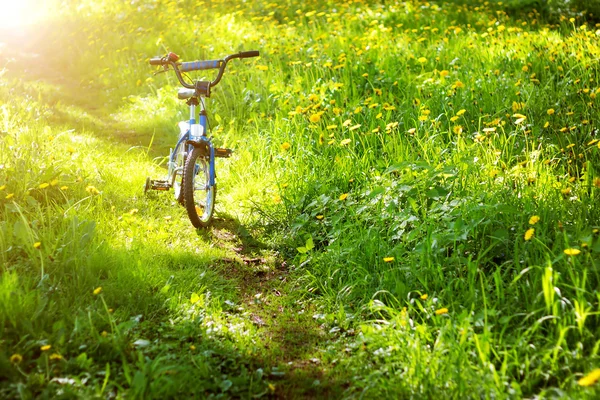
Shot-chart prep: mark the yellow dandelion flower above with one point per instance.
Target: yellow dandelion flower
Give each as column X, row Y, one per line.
column 388, row 259
column 64, row 187
column 315, row 118
column 572, row 252
column 550, row 111
column 424, row 296
column 534, row 219
column 43, row 185
column 458, row 85
column 320, row 217
column 9, row 196
column 16, row 358
column 422, row 60
column 529, row 233
column 46, row 347
column 453, row 119
column 192, row 347
column 37, row 245
column 262, row 67
column 343, row 196
column 97, row 290
column 411, row 131
column 92, row 190
column 590, row 378
column 461, row 112
column 597, row 182
column 285, row 146
column 104, row 334
column 345, row 142
column 457, row 129
column 444, row 73
column 547, row 124
column 2, row 187
column 441, row 311
column 55, row 356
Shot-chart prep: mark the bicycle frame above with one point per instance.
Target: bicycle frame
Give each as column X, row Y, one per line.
column 187, row 140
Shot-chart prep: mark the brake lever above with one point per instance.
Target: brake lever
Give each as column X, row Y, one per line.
column 165, row 69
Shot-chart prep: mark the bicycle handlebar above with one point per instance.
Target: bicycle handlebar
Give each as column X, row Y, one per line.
column 171, row 59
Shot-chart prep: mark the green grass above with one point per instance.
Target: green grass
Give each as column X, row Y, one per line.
column 373, row 234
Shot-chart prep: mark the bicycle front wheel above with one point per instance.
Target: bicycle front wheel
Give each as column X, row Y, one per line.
column 199, row 196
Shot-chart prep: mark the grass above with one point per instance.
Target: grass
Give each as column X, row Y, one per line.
column 411, row 209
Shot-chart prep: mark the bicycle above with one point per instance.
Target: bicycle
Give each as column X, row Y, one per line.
column 191, row 164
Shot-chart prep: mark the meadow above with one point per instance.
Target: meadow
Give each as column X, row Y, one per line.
column 411, row 210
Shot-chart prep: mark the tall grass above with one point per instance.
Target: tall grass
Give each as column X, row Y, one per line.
column 429, row 171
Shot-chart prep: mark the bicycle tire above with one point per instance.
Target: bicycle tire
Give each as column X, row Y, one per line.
column 178, row 176
column 199, row 197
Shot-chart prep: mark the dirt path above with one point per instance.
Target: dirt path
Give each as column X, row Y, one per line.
column 294, row 342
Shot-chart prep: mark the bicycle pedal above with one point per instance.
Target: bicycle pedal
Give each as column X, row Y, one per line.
column 223, row 153
column 159, row 185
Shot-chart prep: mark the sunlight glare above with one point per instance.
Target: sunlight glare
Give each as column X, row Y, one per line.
column 20, row 13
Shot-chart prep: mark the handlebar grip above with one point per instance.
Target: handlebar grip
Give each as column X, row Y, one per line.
column 249, row 54
column 199, row 65
column 156, row 61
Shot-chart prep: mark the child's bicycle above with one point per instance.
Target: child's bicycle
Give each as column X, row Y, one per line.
column 191, row 165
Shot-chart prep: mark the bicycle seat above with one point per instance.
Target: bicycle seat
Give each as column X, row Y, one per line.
column 184, row 93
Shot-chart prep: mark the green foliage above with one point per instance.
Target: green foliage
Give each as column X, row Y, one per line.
column 410, row 211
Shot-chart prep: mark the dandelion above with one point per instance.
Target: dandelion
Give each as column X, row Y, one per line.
column 534, row 219
column 529, row 234
column 37, row 245
column 320, row 217
column 461, row 112
column 457, row 129
column 192, row 347
column 276, row 199
column 550, row 111
column 55, row 356
column 441, row 311
column 262, row 67
column 590, row 378
column 422, row 60
column 16, row 358
column 343, row 196
column 285, row 146
column 572, row 252
column 9, row 196
column 444, row 73
column 315, row 118
column 458, row 85
column 46, row 347
column 2, row 187
column 44, row 185
column 388, row 259
column 547, row 124
column 424, row 296
column 104, row 334
column 97, row 291
column 345, row 142
column 92, row 190
column 453, row 119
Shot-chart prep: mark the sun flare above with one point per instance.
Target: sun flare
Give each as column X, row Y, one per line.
column 15, row 14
